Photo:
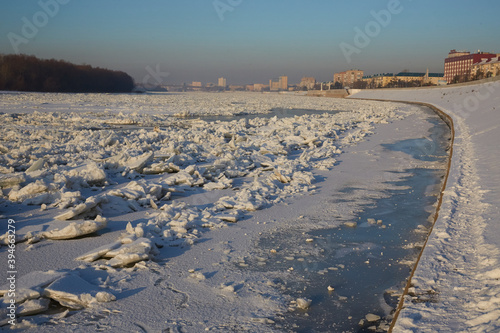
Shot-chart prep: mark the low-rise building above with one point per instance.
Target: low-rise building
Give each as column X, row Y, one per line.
column 348, row 78
column 486, row 68
column 418, row 79
column 235, row 87
column 433, row 79
column 260, row 87
column 403, row 79
column 378, row 80
column 308, row 83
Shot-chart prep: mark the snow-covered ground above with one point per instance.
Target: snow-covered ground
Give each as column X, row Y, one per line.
column 457, row 283
column 135, row 216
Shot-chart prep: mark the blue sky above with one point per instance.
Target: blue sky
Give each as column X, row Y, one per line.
column 248, row 41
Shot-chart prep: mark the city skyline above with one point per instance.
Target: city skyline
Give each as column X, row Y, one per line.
column 248, row 41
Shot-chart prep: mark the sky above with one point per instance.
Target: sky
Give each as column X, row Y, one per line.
column 249, row 41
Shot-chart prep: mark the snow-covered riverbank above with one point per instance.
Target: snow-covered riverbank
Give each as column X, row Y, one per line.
column 457, row 283
column 99, row 191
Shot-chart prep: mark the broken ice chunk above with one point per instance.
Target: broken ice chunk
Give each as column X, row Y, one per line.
column 227, row 218
column 74, row 292
column 77, row 229
column 82, row 208
column 122, row 260
column 104, row 297
column 34, row 280
column 198, row 276
column 222, row 183
column 99, row 252
column 22, row 295
column 303, row 303
column 33, row 306
column 280, row 177
column 129, row 253
column 138, row 162
column 29, row 191
column 372, row 318
column 161, row 167
column 141, row 245
column 88, row 173
column 10, row 180
column 36, row 166
column 227, row 287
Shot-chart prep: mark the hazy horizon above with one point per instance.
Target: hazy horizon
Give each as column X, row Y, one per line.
column 245, row 41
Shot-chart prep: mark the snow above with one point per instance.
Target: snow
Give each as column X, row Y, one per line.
column 460, row 264
column 142, row 202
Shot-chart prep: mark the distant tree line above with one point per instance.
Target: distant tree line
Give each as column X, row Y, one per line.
column 28, row 73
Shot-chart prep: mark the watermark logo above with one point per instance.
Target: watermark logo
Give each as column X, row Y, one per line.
column 363, row 37
column 155, row 74
column 424, row 148
column 223, row 6
column 472, row 102
column 31, row 28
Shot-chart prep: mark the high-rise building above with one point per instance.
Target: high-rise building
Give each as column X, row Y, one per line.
column 222, row 82
column 283, row 82
column 458, row 64
column 279, row 84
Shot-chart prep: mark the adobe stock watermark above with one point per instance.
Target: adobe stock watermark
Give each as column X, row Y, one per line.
column 11, row 272
column 363, row 38
column 156, row 74
column 472, row 102
column 223, row 6
column 31, row 27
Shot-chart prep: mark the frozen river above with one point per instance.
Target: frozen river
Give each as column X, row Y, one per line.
column 363, row 269
column 230, row 221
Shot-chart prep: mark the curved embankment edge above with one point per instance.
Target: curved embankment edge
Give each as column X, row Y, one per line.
column 449, row 121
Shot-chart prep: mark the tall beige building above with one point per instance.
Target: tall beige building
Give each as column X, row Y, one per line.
column 222, row 82
column 284, row 82
column 279, row 84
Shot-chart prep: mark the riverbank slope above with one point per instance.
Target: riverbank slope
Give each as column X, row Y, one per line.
column 457, row 282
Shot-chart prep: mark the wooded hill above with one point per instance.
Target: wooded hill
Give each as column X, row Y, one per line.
column 28, row 73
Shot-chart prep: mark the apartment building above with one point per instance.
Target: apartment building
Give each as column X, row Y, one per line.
column 347, row 78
